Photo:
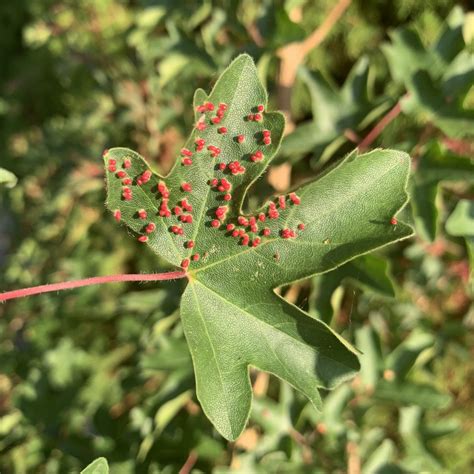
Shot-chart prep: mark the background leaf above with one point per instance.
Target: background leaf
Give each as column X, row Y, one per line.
column 99, row 466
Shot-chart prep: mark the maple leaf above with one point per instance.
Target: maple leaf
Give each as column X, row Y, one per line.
column 438, row 77
column 193, row 218
column 334, row 112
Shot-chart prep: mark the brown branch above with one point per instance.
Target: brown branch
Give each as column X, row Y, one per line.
column 189, row 464
column 318, row 36
column 461, row 147
column 353, row 459
column 379, row 127
column 291, row 57
column 293, row 54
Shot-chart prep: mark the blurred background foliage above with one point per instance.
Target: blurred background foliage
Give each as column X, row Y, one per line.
column 105, row 371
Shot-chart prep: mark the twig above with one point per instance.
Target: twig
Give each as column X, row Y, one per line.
column 68, row 285
column 353, row 458
column 291, row 57
column 190, row 462
column 461, row 147
column 317, row 37
column 379, row 127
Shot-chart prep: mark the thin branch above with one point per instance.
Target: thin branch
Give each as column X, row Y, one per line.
column 379, row 127
column 318, row 36
column 189, row 464
column 291, row 57
column 68, row 285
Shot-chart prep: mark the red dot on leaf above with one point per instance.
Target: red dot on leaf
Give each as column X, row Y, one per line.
column 222, row 130
column 295, row 199
column 195, row 257
column 143, row 238
column 256, row 242
column 393, row 221
column 150, row 228
column 221, row 211
column 117, row 215
column 189, row 244
column 186, row 206
column 186, row 187
column 200, row 142
column 201, row 125
column 142, row 214
column 301, row 226
column 226, row 184
column 185, row 263
column 287, row 233
column 144, row 178
column 215, row 223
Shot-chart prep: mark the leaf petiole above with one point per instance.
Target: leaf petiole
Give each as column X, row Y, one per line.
column 68, row 285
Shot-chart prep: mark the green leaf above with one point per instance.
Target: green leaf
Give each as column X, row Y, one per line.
column 437, row 77
column 99, row 466
column 461, row 221
column 369, row 272
column 334, row 406
column 425, row 208
column 169, row 409
column 371, row 358
column 334, row 112
column 231, row 315
column 378, row 460
column 404, row 356
column 408, row 393
column 437, row 165
column 418, row 457
column 7, row 178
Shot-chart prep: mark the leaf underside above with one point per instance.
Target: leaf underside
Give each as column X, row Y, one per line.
column 231, row 315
